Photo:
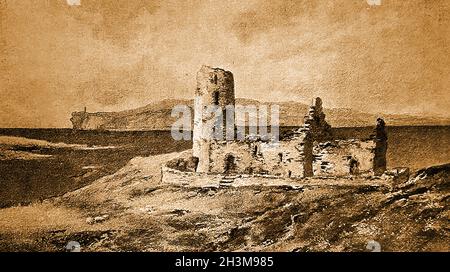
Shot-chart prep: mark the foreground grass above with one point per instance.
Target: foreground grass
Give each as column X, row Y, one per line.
column 131, row 211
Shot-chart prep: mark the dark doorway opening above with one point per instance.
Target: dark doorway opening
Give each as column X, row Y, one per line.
column 230, row 164
column 354, row 166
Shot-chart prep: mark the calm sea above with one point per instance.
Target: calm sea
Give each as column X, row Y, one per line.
column 24, row 181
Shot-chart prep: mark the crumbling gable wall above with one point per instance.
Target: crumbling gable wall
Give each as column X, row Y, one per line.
column 315, row 121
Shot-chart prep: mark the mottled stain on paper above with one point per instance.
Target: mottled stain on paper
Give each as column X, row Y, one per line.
column 74, row 2
column 117, row 55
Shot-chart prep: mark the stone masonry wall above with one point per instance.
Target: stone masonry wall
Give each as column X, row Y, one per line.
column 214, row 87
column 343, row 157
column 291, row 158
column 202, row 180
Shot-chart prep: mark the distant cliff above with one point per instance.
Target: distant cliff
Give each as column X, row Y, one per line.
column 157, row 116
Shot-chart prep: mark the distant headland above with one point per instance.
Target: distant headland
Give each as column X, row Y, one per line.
column 157, row 116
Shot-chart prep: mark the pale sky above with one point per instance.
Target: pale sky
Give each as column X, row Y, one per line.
column 111, row 55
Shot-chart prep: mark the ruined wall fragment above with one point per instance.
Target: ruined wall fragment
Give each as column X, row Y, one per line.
column 315, row 121
column 380, row 138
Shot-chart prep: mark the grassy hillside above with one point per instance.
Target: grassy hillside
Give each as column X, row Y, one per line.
column 131, row 211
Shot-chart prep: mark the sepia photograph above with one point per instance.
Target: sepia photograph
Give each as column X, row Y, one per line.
column 221, row 126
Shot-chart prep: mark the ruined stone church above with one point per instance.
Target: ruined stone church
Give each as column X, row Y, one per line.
column 308, row 151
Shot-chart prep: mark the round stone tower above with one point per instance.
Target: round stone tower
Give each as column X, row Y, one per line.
column 215, row 90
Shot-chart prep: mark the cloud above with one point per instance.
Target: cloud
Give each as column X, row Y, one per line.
column 111, row 20
column 73, row 2
column 266, row 15
column 114, row 55
column 380, row 58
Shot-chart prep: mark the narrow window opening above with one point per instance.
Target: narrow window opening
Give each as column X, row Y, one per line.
column 280, row 156
column 216, row 98
column 255, row 151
